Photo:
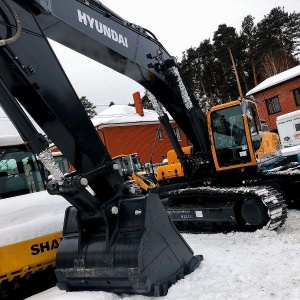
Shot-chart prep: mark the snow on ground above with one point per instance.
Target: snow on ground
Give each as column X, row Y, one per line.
column 259, row 265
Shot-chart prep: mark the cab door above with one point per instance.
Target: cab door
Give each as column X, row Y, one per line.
column 230, row 137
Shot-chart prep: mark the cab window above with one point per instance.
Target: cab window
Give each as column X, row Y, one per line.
column 229, row 136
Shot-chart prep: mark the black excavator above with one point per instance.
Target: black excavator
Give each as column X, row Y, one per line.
column 114, row 239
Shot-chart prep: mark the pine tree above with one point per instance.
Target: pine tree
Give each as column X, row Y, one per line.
column 146, row 102
column 190, row 65
column 227, row 51
column 257, row 52
column 210, row 69
column 89, row 107
column 248, row 34
column 278, row 36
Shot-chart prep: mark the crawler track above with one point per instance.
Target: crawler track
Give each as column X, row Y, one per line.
column 225, row 209
column 22, row 287
column 290, row 171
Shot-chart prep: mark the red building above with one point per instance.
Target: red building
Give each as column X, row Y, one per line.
column 278, row 95
column 126, row 129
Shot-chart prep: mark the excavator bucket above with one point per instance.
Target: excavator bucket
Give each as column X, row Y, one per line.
column 145, row 254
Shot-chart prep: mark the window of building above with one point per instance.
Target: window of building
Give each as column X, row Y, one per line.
column 273, row 105
column 296, row 93
column 177, row 133
column 159, row 134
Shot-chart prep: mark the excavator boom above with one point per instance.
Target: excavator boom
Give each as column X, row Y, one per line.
column 125, row 47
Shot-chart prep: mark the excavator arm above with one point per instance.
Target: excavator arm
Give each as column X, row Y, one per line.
column 114, row 239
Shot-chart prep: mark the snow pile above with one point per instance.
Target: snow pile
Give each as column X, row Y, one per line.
column 6, row 128
column 8, row 133
column 10, row 140
column 259, row 265
column 28, row 216
column 276, row 79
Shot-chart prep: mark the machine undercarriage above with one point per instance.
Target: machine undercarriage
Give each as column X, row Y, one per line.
column 222, row 209
column 288, row 177
column 259, row 201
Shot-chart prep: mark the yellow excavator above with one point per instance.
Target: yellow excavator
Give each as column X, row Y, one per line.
column 266, row 143
column 229, row 192
column 130, row 168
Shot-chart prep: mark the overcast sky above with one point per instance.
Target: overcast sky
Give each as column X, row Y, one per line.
column 178, row 25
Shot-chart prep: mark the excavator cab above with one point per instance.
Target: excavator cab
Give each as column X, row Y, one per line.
column 19, row 172
column 130, row 168
column 231, row 140
column 236, row 136
column 128, row 164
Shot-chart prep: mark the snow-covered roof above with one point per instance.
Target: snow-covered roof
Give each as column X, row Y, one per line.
column 8, row 133
column 10, row 140
column 289, row 115
column 276, row 79
column 123, row 115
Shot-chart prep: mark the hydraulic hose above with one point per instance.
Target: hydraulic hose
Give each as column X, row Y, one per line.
column 10, row 7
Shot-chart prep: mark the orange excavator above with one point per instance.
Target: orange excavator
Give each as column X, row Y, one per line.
column 130, row 168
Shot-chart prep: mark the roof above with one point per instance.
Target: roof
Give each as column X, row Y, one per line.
column 289, row 115
column 123, row 115
column 8, row 133
column 276, row 79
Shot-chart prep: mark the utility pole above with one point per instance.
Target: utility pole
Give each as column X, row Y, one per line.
column 236, row 73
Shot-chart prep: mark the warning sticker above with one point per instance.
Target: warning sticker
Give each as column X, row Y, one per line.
column 199, row 214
